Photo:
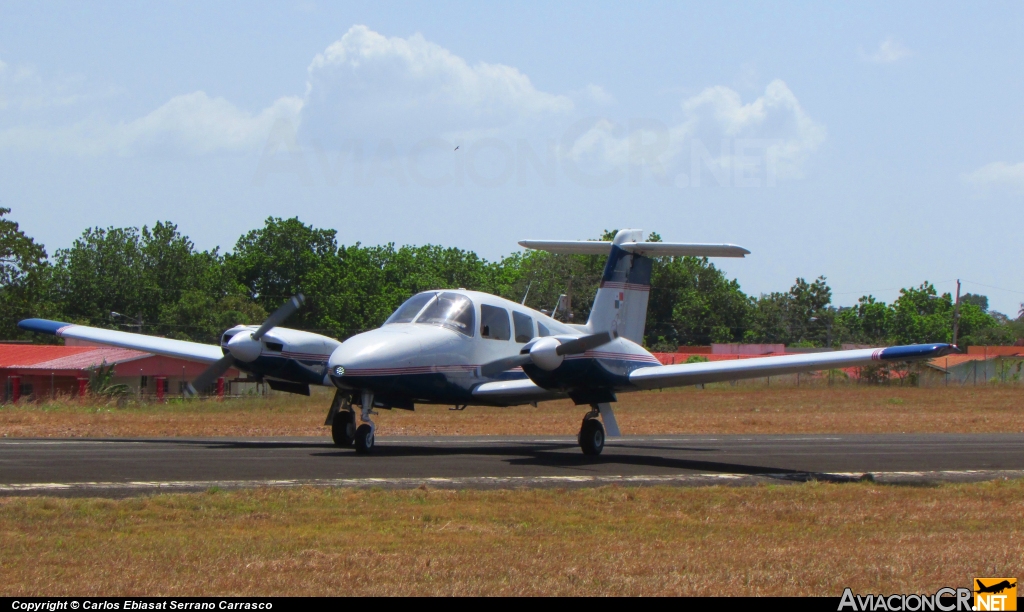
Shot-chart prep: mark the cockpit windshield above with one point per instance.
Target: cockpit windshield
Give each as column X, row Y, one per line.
column 450, row 310
column 412, row 307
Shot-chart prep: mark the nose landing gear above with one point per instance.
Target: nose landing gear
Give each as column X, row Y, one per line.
column 364, row 437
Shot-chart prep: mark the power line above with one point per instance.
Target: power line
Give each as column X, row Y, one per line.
column 993, row 287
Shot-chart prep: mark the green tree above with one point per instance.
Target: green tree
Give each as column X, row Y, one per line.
column 693, row 303
column 23, row 277
column 803, row 316
column 154, row 278
column 286, row 257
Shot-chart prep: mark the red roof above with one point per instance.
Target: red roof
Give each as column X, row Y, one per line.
column 43, row 357
column 13, row 355
column 950, row 361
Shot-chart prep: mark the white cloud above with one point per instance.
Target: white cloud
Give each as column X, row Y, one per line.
column 192, row 123
column 366, row 84
column 199, row 124
column 998, row 175
column 775, row 122
column 598, row 94
column 889, row 51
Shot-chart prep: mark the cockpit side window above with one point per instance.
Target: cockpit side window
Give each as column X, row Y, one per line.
column 494, row 323
column 450, row 310
column 524, row 326
column 412, row 306
column 542, row 331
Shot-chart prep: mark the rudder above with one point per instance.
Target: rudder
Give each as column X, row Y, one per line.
column 621, row 302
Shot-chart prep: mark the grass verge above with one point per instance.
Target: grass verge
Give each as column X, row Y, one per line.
column 806, row 539
column 724, row 409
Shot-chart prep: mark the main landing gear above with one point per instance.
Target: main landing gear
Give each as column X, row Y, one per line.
column 592, row 433
column 342, row 419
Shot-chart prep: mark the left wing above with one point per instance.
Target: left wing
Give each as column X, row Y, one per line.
column 657, row 377
column 193, row 351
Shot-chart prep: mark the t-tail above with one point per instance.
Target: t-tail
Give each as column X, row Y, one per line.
column 620, row 305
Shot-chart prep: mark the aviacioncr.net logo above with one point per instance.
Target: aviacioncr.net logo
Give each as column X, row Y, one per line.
column 946, row 599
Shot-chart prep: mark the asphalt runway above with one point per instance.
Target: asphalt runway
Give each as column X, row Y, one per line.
column 119, row 467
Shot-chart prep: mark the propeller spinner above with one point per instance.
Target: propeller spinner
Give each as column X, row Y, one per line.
column 244, row 347
column 548, row 353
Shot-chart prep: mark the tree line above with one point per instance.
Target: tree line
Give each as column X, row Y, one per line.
column 156, row 281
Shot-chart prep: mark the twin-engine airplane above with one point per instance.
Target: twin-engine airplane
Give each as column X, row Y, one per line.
column 470, row 348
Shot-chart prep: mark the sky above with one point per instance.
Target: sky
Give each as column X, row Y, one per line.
column 877, row 144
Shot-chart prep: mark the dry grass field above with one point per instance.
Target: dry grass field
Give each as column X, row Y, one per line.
column 807, row 539
column 723, row 409
column 799, row 539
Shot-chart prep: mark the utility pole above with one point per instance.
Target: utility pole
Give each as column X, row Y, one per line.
column 956, row 313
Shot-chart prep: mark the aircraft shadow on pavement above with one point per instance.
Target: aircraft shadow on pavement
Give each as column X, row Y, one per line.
column 553, row 455
column 537, row 454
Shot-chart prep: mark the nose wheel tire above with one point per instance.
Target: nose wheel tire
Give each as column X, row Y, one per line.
column 592, row 437
column 343, row 429
column 364, row 439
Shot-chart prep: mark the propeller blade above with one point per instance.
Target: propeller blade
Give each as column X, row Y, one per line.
column 279, row 315
column 210, row 374
column 501, row 365
column 584, row 344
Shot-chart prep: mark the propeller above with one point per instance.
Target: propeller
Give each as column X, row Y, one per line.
column 244, row 347
column 548, row 353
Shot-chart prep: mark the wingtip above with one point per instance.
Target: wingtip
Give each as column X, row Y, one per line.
column 41, row 326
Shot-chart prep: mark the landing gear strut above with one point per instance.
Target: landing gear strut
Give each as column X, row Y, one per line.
column 364, row 437
column 592, row 432
column 342, row 420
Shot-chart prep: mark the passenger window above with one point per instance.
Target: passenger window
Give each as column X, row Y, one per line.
column 524, row 326
column 494, row 323
column 542, row 331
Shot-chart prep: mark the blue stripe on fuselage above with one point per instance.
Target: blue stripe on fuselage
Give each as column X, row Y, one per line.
column 444, row 388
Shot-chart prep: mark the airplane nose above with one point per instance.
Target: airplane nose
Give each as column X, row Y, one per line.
column 384, row 352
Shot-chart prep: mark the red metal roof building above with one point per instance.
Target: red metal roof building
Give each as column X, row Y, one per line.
column 42, row 371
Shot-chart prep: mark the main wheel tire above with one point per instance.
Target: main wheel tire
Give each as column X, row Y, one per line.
column 343, row 429
column 364, row 439
column 592, row 437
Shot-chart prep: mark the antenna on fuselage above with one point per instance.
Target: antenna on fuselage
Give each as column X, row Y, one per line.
column 527, row 293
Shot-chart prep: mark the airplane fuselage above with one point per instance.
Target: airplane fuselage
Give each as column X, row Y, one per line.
column 431, row 359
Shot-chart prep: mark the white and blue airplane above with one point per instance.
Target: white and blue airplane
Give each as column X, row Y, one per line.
column 459, row 347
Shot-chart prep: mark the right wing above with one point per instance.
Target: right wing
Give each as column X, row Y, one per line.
column 657, row 377
column 182, row 349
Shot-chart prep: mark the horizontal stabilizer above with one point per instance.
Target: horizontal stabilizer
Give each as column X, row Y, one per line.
column 182, row 349
column 650, row 249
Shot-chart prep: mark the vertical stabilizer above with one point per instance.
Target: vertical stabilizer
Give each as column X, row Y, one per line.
column 621, row 301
